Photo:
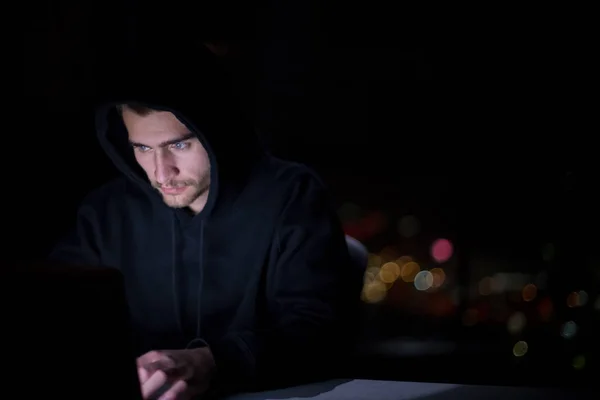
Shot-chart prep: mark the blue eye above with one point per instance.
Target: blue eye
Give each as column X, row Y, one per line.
column 142, row 149
column 180, row 145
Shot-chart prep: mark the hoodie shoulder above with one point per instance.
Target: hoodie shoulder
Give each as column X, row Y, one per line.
column 117, row 194
column 290, row 183
column 111, row 191
column 295, row 176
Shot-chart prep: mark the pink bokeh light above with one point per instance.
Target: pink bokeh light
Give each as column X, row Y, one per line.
column 441, row 250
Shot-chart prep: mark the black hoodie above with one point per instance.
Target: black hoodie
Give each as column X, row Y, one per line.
column 261, row 274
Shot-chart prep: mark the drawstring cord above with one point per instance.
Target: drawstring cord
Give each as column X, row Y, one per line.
column 200, row 281
column 176, row 304
column 174, row 273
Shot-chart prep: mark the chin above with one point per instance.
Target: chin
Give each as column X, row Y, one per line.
column 183, row 200
column 176, row 205
column 177, row 202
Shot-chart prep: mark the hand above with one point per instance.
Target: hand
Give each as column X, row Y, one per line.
column 187, row 371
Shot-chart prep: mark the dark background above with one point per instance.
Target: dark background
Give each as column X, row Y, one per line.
column 474, row 124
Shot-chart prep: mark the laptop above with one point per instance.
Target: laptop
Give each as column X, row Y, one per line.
column 66, row 333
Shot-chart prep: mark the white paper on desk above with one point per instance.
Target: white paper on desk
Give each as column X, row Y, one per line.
column 352, row 390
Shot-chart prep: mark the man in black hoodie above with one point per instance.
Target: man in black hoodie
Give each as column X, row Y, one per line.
column 236, row 267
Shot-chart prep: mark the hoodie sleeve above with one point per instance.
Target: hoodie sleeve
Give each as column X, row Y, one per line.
column 80, row 246
column 310, row 287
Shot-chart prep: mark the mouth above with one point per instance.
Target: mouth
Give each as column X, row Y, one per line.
column 173, row 190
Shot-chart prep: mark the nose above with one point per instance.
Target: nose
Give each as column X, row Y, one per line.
column 165, row 169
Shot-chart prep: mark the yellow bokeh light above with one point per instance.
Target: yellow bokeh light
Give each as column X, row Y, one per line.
column 389, row 272
column 403, row 260
column 371, row 274
column 520, row 348
column 579, row 362
column 409, row 270
column 439, row 277
column 374, row 292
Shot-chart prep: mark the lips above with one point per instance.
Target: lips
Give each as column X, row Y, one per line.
column 173, row 190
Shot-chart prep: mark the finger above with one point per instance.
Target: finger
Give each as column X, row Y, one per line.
column 143, row 375
column 166, row 365
column 175, row 392
column 176, row 365
column 153, row 383
column 149, row 357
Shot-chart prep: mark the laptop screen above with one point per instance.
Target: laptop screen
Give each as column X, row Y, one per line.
column 69, row 333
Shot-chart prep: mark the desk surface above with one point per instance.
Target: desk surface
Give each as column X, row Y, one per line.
column 394, row 390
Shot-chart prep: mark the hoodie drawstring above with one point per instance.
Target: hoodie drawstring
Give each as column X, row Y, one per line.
column 200, row 281
column 174, row 273
column 176, row 302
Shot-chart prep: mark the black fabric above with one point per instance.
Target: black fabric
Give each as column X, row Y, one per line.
column 262, row 274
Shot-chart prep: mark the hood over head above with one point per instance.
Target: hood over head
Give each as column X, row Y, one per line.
column 196, row 89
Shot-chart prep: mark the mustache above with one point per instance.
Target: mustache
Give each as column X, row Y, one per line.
column 173, row 184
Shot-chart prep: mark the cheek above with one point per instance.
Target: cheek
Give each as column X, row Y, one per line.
column 196, row 165
column 146, row 164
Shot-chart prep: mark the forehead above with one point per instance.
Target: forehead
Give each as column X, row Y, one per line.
column 155, row 127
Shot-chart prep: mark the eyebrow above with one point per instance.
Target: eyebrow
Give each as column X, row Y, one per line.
column 166, row 143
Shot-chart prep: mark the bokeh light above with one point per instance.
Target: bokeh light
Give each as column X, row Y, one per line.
column 500, row 294
column 423, row 280
column 441, row 250
column 371, row 274
column 499, row 283
column 529, row 292
column 389, row 272
column 409, row 271
column 485, row 286
column 583, row 298
column 577, row 299
column 569, row 329
column 516, row 323
column 579, row 362
column 573, row 299
column 403, row 260
column 374, row 292
column 439, row 277
column 520, row 348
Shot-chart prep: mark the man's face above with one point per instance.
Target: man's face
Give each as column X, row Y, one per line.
column 175, row 161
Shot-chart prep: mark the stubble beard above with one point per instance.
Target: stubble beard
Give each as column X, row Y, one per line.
column 195, row 189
